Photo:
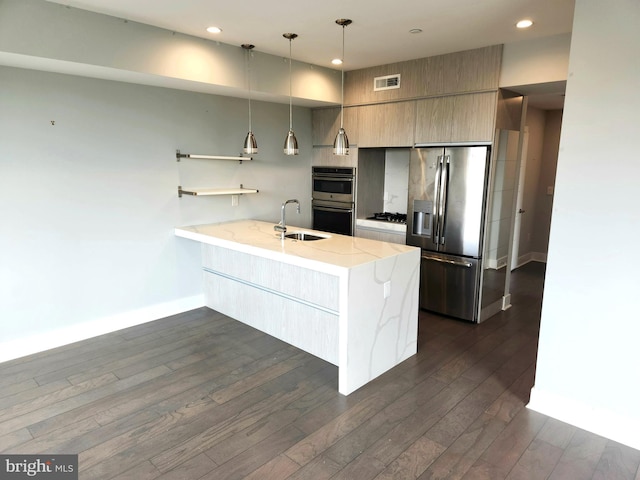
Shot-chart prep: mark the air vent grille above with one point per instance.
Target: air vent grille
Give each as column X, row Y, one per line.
column 387, row 82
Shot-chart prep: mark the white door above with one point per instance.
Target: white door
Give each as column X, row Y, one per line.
column 519, row 206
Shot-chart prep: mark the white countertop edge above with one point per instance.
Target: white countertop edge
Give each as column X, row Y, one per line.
column 383, row 226
column 304, row 254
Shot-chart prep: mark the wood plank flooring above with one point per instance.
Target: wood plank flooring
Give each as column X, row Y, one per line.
column 201, row 396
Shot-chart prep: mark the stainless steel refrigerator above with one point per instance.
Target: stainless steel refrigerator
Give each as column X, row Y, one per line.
column 445, row 217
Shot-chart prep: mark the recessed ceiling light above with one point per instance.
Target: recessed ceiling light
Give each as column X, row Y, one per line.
column 415, row 30
column 524, row 23
column 337, row 61
column 214, row 30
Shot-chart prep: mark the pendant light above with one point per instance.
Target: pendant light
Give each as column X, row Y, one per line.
column 250, row 144
column 341, row 143
column 291, row 142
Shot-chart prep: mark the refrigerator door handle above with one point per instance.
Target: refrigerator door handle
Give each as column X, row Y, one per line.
column 438, row 193
column 450, row 262
column 446, row 160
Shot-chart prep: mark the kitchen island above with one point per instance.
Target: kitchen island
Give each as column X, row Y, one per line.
column 350, row 301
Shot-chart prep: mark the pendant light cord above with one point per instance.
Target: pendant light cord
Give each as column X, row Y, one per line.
column 249, row 80
column 342, row 89
column 290, row 90
column 248, row 48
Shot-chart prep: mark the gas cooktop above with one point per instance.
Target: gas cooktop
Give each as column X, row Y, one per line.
column 389, row 217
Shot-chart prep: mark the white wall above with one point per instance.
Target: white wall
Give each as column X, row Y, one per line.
column 546, row 179
column 88, row 203
column 587, row 368
column 538, row 61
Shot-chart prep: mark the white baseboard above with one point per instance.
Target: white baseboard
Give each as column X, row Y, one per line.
column 539, row 257
column 599, row 421
column 531, row 257
column 74, row 333
column 524, row 259
column 496, row 263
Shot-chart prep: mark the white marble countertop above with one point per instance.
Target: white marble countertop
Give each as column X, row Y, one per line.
column 332, row 254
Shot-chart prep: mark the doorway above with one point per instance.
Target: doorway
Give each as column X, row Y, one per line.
column 536, row 184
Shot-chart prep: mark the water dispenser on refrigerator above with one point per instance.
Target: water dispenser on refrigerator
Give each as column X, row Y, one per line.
column 422, row 213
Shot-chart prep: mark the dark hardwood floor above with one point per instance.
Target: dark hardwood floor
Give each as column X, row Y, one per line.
column 201, row 396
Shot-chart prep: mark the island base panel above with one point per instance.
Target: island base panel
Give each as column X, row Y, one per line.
column 301, row 325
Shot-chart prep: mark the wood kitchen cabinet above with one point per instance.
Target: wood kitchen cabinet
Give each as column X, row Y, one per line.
column 325, row 123
column 474, row 117
column 460, row 72
column 471, row 70
column 322, row 156
column 456, row 118
column 386, row 125
column 433, row 119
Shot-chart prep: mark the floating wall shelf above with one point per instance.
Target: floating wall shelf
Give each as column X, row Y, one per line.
column 210, row 157
column 215, row 191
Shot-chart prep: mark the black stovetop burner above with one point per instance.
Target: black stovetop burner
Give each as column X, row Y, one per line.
column 389, row 217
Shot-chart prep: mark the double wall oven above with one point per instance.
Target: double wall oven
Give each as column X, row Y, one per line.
column 333, row 199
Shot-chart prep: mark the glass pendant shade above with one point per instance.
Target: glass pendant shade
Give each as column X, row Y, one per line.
column 291, row 144
column 250, row 144
column 341, row 143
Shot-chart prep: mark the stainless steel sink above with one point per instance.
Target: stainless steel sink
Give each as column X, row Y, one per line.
column 304, row 237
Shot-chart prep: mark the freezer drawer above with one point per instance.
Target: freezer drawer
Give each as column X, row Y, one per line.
column 449, row 285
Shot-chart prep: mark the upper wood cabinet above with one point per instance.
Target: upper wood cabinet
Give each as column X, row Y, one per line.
column 322, row 156
column 359, row 84
column 325, row 123
column 467, row 71
column 433, row 119
column 386, row 125
column 474, row 117
column 456, row 118
column 444, row 98
column 472, row 70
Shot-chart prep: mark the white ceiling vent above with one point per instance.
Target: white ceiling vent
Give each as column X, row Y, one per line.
column 387, row 82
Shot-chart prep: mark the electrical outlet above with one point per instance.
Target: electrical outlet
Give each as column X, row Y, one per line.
column 234, row 200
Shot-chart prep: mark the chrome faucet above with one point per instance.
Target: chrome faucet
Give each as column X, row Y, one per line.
column 282, row 227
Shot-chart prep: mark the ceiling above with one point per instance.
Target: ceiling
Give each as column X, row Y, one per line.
column 378, row 35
